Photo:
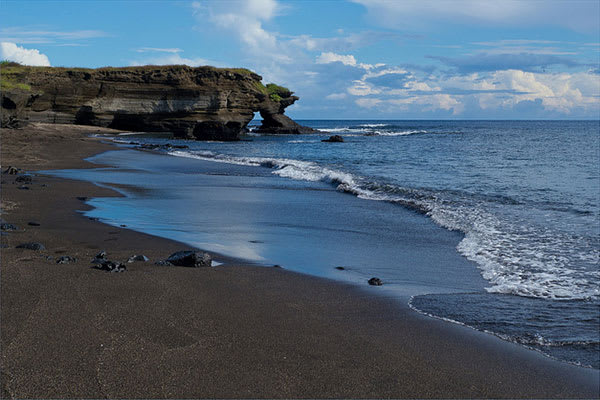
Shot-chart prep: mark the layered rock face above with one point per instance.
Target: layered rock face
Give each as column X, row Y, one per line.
column 203, row 103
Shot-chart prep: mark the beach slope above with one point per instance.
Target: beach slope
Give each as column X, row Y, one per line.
column 232, row 331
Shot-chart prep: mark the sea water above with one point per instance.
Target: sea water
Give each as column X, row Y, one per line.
column 511, row 206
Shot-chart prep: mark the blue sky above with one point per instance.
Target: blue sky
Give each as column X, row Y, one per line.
column 379, row 59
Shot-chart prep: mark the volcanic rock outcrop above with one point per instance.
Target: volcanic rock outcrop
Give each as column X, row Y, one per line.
column 203, row 103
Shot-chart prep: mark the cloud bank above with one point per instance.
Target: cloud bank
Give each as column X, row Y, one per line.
column 12, row 52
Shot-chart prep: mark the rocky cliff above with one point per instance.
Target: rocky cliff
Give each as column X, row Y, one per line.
column 204, row 103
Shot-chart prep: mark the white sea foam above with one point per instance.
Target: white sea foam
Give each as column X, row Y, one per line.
column 372, row 125
column 348, row 130
column 519, row 259
column 514, row 257
column 287, row 168
column 399, row 133
column 367, row 130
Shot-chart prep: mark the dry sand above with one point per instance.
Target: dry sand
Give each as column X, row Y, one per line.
column 230, row 331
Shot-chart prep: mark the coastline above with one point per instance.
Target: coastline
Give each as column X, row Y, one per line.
column 70, row 331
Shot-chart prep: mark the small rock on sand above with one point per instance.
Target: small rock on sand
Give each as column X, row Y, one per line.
column 12, row 170
column 66, row 260
column 99, row 258
column 375, row 282
column 31, row 246
column 139, row 257
column 8, row 227
column 190, row 259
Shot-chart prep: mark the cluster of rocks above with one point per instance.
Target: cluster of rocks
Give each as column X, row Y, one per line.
column 5, row 226
column 168, row 146
column 22, row 178
column 102, row 263
column 187, row 258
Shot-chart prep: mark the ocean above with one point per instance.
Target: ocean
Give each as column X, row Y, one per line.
column 490, row 224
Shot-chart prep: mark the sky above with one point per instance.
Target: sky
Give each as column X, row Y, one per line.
column 355, row 59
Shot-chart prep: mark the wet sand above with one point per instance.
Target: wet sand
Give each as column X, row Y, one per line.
column 230, row 331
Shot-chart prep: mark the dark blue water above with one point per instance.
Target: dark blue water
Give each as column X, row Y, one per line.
column 522, row 196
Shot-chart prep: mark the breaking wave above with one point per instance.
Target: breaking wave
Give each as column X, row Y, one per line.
column 513, row 256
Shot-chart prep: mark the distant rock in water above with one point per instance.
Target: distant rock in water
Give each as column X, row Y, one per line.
column 203, row 103
column 334, row 139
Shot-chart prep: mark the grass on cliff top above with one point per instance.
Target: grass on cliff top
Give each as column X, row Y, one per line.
column 11, row 76
column 275, row 92
column 13, row 67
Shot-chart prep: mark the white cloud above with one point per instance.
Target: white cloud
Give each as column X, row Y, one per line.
column 561, row 92
column 246, row 19
column 26, row 35
column 495, row 91
column 329, row 57
column 325, row 73
column 158, row 50
column 336, row 96
column 262, row 9
column 12, row 52
column 362, row 88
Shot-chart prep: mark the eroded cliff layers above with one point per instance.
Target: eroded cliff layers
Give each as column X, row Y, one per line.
column 203, row 103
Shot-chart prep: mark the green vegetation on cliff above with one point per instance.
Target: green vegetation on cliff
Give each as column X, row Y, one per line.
column 275, row 92
column 11, row 76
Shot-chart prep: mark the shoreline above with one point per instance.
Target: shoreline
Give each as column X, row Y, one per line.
column 266, row 332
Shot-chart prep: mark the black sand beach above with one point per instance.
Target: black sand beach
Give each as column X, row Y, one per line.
column 232, row 331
